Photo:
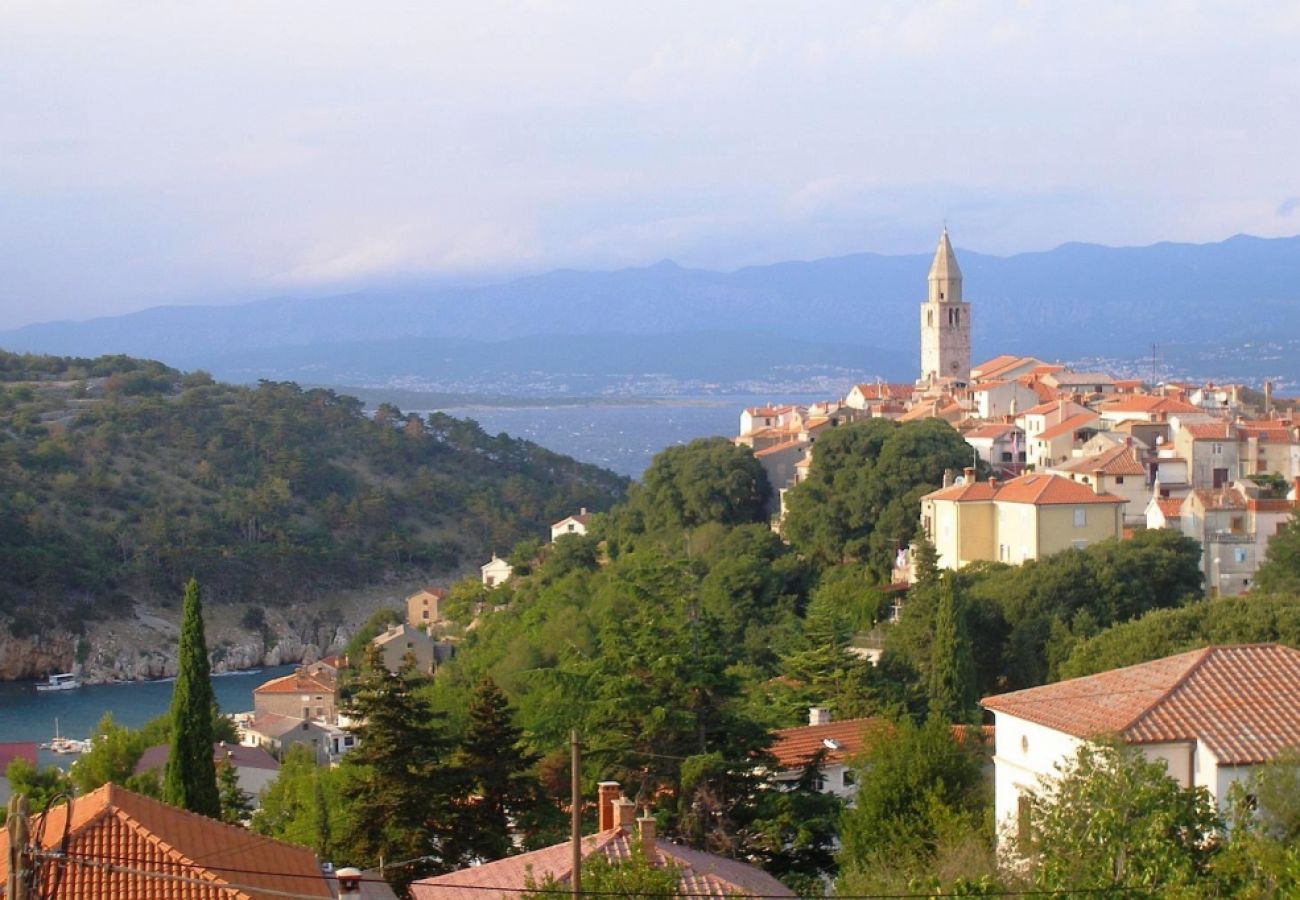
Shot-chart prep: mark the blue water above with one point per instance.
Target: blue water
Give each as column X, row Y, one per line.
column 622, row 438
column 26, row 715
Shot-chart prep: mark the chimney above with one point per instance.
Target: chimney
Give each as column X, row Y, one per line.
column 646, row 826
column 947, row 478
column 582, row 511
column 349, row 881
column 1295, row 487
column 624, row 813
column 969, row 473
column 1268, row 397
column 606, row 793
column 819, row 715
column 993, row 483
column 1098, row 475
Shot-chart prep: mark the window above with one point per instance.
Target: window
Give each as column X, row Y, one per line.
column 849, row 778
column 1119, row 479
column 929, row 318
column 1239, row 554
column 1216, row 449
column 1080, row 517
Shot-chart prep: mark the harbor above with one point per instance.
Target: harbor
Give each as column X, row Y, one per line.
column 27, row 714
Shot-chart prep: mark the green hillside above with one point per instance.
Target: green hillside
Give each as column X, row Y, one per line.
column 122, row 478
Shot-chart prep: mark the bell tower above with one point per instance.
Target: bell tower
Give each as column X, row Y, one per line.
column 945, row 321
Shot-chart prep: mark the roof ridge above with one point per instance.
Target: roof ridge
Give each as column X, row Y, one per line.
column 152, row 837
column 1205, row 654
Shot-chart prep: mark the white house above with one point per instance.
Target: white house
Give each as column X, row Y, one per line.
column 795, row 748
column 571, row 525
column 496, row 571
column 1211, row 715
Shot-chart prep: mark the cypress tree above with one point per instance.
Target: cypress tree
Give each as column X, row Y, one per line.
column 952, row 667
column 190, row 779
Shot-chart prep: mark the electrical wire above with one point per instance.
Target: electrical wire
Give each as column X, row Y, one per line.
column 114, row 864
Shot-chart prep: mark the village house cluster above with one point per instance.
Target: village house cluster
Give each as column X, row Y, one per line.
column 1060, row 458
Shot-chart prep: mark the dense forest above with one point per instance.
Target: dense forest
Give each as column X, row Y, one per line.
column 122, row 478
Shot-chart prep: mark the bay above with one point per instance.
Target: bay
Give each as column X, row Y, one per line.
column 621, row 437
column 28, row 715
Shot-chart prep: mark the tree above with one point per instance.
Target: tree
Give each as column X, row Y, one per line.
column 40, row 786
column 633, row 878
column 497, row 770
column 303, row 805
column 236, row 803
column 113, row 754
column 1261, row 857
column 920, row 791
column 952, row 667
column 398, row 787
column 707, row 480
column 1113, row 820
column 1280, row 572
column 190, row 779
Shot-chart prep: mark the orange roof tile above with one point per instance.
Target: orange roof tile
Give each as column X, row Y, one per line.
column 1047, row 407
column 297, row 683
column 884, row 391
column 777, row 448
column 114, row 825
column 1209, row 431
column 1074, row 423
column 990, row 431
column 998, row 362
column 971, row 491
column 1169, row 507
column 795, row 747
column 1050, row 490
column 1148, row 403
column 1241, row 701
column 1115, row 461
column 1223, row 498
column 700, row 874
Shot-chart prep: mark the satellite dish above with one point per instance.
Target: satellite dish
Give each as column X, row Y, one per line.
column 960, row 479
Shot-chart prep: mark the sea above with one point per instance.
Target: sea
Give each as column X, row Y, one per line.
column 29, row 715
column 621, row 436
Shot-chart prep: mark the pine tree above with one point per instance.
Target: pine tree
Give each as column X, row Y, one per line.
column 236, row 804
column 190, row 780
column 398, row 786
column 952, row 667
column 925, row 559
column 498, row 771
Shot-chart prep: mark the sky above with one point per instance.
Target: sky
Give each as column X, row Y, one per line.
column 214, row 152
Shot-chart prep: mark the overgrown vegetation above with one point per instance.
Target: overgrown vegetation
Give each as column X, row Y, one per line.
column 122, row 478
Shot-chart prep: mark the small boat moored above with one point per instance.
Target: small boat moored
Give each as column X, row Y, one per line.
column 63, row 681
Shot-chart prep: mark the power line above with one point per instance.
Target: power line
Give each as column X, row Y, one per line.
column 114, row 864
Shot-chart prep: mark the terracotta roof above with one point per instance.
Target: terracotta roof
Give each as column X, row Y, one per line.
column 1066, row 377
column 1209, row 431
column 1050, row 490
column 1223, row 498
column 11, row 750
column 240, row 757
column 702, row 874
column 273, row 725
column 985, row 386
column 1071, row 424
column 990, row 431
column 1006, row 360
column 768, row 410
column 334, row 661
column 112, row 824
column 1115, row 461
column 777, row 448
column 1266, row 430
column 884, row 391
column 1050, row 406
column 794, row 747
column 971, row 491
column 1169, row 507
column 1241, row 701
column 1147, row 403
column 297, row 683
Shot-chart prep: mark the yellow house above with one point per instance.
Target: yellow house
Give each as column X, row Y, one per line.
column 1025, row 518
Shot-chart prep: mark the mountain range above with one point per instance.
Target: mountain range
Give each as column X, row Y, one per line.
column 852, row 316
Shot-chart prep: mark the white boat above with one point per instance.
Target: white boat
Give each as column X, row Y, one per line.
column 64, row 681
column 64, row 745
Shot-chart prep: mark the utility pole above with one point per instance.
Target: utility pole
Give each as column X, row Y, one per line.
column 16, row 825
column 575, row 801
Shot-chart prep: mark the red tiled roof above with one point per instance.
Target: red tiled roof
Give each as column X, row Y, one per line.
column 701, row 874
column 1075, row 422
column 114, row 824
column 1241, row 701
column 777, row 448
column 1223, row 498
column 1050, row 490
column 985, row 386
column 1209, row 431
column 240, row 757
column 1050, row 406
column 885, row 391
column 794, row 747
column 997, row 363
column 297, row 683
column 1169, row 507
column 1266, row 430
column 1115, row 461
column 1147, row 403
column 971, row 491
column 11, row 750
column 990, row 431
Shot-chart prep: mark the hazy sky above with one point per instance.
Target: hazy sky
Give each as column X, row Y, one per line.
column 186, row 152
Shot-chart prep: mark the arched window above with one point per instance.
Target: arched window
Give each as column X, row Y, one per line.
column 929, row 318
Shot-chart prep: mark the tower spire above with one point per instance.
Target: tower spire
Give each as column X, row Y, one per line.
column 945, row 274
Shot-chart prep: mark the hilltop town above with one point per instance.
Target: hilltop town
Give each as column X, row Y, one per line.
column 1062, row 459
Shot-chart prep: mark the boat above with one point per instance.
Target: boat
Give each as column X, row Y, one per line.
column 63, row 681
column 65, row 745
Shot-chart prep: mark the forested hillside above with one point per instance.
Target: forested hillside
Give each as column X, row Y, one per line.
column 122, row 478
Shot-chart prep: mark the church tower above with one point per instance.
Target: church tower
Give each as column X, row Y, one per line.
column 945, row 321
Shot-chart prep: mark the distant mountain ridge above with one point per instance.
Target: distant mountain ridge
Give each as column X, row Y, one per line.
column 1075, row 300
